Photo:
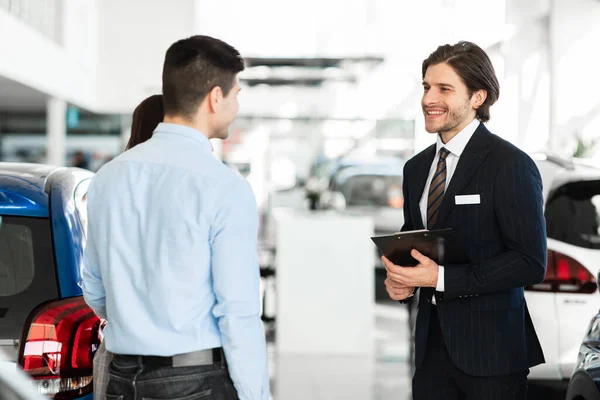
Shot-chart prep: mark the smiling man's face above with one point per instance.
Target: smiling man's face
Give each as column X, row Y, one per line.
column 447, row 105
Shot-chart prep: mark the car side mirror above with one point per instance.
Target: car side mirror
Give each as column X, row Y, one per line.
column 598, row 281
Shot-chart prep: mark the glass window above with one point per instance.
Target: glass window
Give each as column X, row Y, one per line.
column 16, row 258
column 573, row 214
column 27, row 274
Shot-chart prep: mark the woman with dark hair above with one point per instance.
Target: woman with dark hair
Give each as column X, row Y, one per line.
column 146, row 116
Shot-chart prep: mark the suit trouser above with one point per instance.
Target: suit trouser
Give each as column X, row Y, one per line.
column 438, row 378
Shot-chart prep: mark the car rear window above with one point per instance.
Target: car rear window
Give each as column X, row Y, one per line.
column 16, row 258
column 27, row 274
column 371, row 190
column 573, row 214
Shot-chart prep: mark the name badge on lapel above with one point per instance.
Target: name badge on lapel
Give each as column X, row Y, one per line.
column 466, row 199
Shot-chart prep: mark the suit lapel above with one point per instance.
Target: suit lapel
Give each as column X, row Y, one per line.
column 418, row 186
column 475, row 152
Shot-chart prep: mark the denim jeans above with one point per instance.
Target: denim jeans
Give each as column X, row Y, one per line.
column 130, row 379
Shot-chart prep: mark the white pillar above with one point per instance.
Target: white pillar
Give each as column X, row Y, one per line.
column 574, row 33
column 56, row 130
column 523, row 113
column 554, row 141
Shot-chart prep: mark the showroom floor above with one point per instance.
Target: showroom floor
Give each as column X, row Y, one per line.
column 383, row 376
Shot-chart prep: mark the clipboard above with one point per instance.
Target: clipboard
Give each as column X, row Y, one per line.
column 440, row 245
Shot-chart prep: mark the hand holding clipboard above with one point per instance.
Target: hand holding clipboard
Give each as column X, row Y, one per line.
column 441, row 246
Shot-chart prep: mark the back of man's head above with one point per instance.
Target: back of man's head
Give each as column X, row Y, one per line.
column 192, row 68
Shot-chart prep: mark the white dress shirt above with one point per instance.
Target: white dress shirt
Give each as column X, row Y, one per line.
column 455, row 146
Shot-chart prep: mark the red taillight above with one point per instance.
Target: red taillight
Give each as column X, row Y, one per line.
column 563, row 272
column 566, row 275
column 59, row 342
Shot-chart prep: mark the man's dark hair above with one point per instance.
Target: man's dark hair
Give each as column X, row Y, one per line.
column 475, row 69
column 192, row 68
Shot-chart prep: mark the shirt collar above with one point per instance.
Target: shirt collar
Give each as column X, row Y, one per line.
column 458, row 143
column 176, row 130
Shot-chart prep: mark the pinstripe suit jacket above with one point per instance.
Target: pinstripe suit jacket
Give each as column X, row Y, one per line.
column 483, row 314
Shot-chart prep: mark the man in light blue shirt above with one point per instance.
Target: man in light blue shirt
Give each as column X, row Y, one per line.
column 171, row 257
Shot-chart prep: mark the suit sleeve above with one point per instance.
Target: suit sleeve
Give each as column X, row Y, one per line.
column 408, row 225
column 518, row 207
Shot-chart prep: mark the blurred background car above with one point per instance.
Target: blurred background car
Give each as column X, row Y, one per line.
column 322, row 175
column 373, row 189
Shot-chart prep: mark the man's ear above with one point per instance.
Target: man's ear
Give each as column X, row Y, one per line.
column 479, row 98
column 215, row 98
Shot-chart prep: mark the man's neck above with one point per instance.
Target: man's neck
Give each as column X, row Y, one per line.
column 449, row 135
column 176, row 119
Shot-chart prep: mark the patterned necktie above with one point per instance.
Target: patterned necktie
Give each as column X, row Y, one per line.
column 437, row 189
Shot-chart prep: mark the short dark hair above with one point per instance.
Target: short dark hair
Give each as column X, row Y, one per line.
column 475, row 69
column 192, row 68
column 146, row 116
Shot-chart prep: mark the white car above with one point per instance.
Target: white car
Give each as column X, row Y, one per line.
column 561, row 306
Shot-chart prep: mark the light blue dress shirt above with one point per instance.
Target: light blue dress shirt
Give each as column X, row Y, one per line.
column 171, row 257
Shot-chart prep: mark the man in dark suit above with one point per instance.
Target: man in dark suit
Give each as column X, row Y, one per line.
column 474, row 336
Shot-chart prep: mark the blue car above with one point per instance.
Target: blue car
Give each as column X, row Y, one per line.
column 45, row 326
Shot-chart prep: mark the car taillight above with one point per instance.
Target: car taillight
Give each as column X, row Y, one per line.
column 564, row 274
column 58, row 346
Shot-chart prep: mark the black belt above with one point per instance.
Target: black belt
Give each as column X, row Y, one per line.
column 196, row 358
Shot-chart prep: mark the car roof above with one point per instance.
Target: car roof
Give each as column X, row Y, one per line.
column 369, row 160
column 23, row 189
column 557, row 171
column 368, row 170
column 29, row 174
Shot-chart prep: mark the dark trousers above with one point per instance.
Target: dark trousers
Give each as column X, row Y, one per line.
column 439, row 379
column 131, row 379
